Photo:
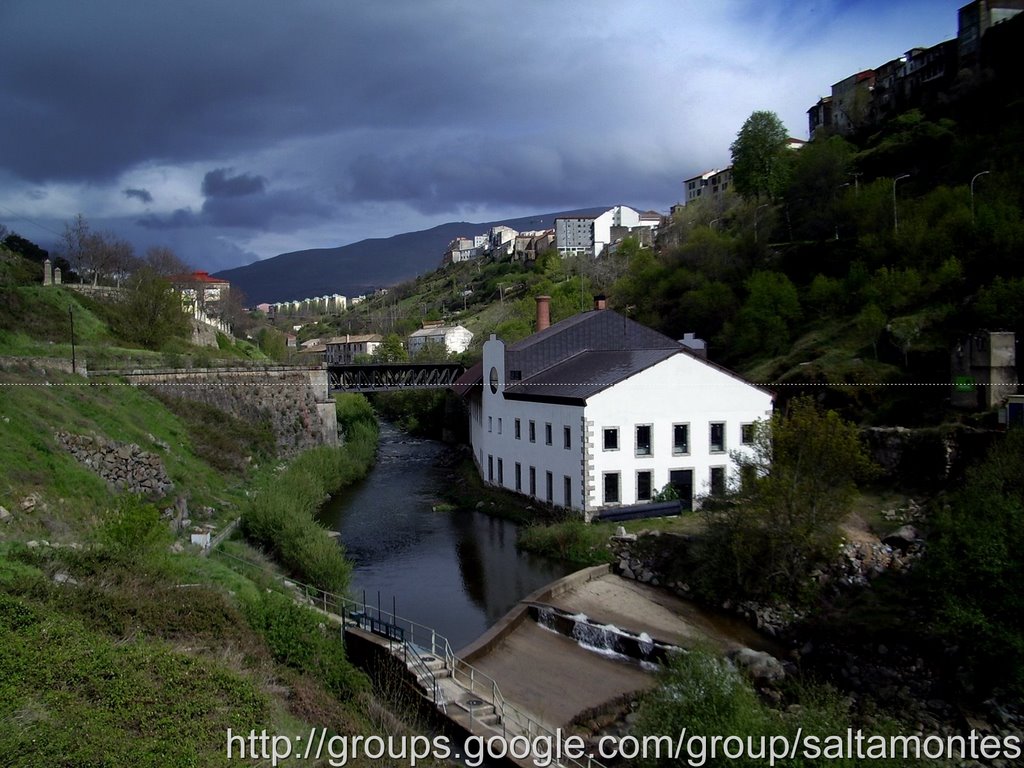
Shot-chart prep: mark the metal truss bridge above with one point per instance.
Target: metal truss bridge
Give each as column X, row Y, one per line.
column 387, row 377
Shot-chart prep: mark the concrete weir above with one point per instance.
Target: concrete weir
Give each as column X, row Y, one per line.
column 560, row 652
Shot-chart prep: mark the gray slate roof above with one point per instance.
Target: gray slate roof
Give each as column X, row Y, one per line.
column 586, row 374
column 582, row 355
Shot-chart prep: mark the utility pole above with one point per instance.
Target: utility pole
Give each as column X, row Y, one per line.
column 71, row 317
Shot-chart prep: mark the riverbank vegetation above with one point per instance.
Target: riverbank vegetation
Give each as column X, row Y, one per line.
column 763, row 538
column 281, row 516
column 705, row 696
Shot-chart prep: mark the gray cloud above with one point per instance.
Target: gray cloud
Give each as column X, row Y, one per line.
column 218, row 183
column 142, row 195
column 406, row 110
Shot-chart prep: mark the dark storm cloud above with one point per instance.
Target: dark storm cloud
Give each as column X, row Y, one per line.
column 182, row 218
column 385, row 114
column 194, row 79
column 218, row 183
column 243, row 202
column 284, row 210
column 143, row 195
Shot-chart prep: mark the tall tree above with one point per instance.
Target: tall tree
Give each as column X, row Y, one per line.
column 759, row 166
column 150, row 311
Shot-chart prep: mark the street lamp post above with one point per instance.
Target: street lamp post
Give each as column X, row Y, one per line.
column 895, row 215
column 973, row 179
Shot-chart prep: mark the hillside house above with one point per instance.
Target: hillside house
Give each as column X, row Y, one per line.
column 591, row 235
column 711, row 183
column 454, row 338
column 201, row 289
column 598, row 412
column 342, row 350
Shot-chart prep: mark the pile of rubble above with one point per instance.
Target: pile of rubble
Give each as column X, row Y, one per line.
column 125, row 466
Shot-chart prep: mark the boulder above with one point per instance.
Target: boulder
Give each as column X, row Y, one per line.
column 759, row 666
column 902, row 537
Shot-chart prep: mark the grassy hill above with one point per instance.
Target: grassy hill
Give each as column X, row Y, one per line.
column 119, row 643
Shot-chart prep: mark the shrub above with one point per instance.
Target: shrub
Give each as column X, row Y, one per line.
column 281, row 515
column 571, row 540
column 133, row 529
column 298, row 638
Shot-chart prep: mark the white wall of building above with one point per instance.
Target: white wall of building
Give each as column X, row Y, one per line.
column 678, row 391
column 493, row 436
column 455, row 338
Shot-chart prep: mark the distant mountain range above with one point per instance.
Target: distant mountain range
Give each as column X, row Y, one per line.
column 361, row 267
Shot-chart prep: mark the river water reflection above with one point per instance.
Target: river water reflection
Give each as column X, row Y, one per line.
column 458, row 572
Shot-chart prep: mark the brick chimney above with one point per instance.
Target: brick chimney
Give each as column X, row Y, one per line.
column 543, row 312
column 600, row 302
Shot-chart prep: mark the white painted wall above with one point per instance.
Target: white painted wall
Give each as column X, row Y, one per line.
column 680, row 390
column 493, row 435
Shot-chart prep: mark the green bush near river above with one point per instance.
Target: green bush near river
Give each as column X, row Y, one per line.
column 281, row 517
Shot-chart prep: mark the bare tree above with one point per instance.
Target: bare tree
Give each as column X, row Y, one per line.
column 120, row 260
column 74, row 243
column 165, row 262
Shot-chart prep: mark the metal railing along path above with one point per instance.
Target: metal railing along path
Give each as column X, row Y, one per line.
column 412, row 638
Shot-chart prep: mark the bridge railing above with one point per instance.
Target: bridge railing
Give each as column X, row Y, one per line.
column 385, row 624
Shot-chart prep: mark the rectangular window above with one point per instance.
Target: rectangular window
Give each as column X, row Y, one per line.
column 499, row 425
column 643, row 440
column 680, row 439
column 533, row 431
column 501, row 472
column 747, row 434
column 643, row 486
column 519, row 477
column 490, row 423
column 518, row 429
column 611, row 487
column 611, row 438
column 567, row 490
column 717, row 437
column 490, row 468
column 566, row 438
column 547, row 434
column 549, row 487
column 718, row 481
column 533, row 481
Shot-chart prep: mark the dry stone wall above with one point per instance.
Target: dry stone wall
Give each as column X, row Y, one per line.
column 125, row 466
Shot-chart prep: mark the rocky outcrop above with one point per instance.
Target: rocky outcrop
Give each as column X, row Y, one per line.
column 125, row 466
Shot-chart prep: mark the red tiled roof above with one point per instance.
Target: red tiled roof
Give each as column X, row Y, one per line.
column 196, row 277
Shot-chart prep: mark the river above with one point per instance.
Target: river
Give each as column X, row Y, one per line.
column 457, row 572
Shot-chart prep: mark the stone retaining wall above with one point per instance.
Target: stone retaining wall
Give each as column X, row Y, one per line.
column 294, row 401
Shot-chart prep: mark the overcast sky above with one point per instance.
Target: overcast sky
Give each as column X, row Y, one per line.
column 235, row 130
